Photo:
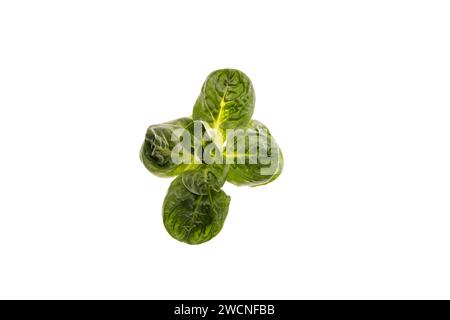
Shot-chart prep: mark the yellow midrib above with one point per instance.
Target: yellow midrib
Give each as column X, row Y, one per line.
column 222, row 104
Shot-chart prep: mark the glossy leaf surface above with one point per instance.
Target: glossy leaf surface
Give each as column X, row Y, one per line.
column 226, row 100
column 193, row 218
column 269, row 159
column 156, row 151
column 204, row 178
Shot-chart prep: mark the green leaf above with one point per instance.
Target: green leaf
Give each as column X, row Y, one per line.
column 204, row 178
column 156, row 151
column 193, row 218
column 266, row 156
column 226, row 100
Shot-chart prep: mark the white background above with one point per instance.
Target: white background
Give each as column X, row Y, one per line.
column 357, row 93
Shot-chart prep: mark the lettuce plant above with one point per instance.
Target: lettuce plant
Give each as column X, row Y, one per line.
column 220, row 142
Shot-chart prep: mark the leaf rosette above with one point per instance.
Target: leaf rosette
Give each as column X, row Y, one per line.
column 219, row 143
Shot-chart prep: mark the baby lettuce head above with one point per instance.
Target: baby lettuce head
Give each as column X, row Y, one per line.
column 219, row 143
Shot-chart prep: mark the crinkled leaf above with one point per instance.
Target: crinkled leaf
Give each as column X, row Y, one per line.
column 205, row 177
column 269, row 158
column 226, row 100
column 156, row 151
column 193, row 218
